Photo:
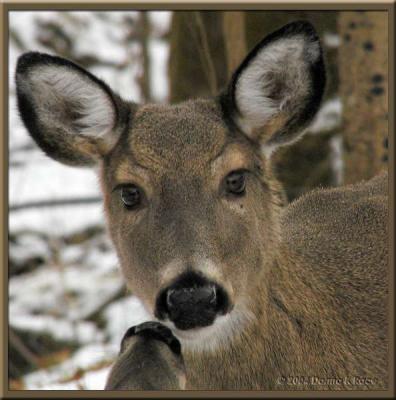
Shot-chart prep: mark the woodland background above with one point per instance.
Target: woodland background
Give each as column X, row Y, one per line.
column 68, row 307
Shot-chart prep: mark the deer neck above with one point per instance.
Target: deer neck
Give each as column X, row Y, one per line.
column 238, row 360
column 283, row 334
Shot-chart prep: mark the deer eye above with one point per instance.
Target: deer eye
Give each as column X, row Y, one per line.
column 235, row 183
column 131, row 196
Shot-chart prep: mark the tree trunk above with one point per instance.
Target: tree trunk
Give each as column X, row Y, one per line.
column 192, row 64
column 144, row 79
column 234, row 38
column 363, row 63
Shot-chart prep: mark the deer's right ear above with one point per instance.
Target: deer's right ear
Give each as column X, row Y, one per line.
column 277, row 89
column 72, row 115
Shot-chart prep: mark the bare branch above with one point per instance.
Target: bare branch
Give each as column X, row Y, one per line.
column 208, row 61
column 55, row 203
column 22, row 349
column 234, row 38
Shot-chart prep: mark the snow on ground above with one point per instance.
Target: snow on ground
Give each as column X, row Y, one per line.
column 70, row 375
column 66, row 289
column 40, row 179
column 58, row 328
column 121, row 315
column 75, row 284
column 43, row 179
column 93, row 360
column 57, row 220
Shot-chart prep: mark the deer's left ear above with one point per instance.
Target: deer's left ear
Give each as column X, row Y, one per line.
column 277, row 89
column 72, row 115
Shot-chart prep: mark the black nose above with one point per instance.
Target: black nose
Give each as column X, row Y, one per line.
column 192, row 301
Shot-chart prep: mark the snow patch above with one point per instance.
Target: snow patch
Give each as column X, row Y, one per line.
column 123, row 314
column 159, row 54
column 327, row 118
column 60, row 329
column 331, row 40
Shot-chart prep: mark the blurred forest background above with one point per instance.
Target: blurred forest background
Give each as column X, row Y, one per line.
column 68, row 307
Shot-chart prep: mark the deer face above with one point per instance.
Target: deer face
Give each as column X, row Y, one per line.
column 190, row 200
column 188, row 224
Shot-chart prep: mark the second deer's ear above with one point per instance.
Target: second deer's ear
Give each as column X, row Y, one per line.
column 72, row 115
column 277, row 89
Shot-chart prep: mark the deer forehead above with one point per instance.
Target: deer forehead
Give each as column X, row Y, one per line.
column 187, row 142
column 184, row 136
column 232, row 156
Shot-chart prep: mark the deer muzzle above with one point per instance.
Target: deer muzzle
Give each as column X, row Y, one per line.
column 192, row 301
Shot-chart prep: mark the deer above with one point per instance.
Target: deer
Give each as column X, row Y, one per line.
column 245, row 290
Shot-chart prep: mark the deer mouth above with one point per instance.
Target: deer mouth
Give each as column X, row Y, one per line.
column 192, row 301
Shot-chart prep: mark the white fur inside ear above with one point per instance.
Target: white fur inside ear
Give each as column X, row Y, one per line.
column 59, row 86
column 274, row 80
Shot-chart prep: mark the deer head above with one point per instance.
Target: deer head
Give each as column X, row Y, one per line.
column 191, row 202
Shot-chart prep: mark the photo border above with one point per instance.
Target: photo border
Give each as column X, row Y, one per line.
column 6, row 7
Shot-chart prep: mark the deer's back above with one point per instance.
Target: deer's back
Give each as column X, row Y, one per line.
column 335, row 243
column 344, row 227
